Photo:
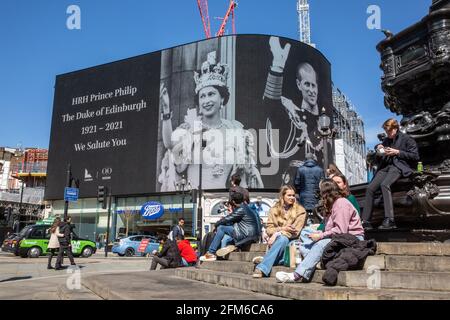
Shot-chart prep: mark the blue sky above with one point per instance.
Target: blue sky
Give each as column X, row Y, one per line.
column 36, row 46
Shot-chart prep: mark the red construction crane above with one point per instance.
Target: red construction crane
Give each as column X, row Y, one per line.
column 204, row 14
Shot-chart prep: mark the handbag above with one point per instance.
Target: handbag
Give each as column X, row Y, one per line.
column 290, row 256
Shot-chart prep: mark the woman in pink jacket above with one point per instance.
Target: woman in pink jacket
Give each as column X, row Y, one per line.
column 341, row 217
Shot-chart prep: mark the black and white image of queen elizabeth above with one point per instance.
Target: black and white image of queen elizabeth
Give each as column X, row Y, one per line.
column 205, row 113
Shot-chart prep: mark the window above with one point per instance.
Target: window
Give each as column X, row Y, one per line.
column 138, row 238
column 261, row 207
column 24, row 231
column 38, row 233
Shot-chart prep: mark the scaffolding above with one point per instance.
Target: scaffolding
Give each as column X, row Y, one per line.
column 304, row 22
column 350, row 143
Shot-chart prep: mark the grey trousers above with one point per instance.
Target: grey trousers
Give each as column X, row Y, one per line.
column 384, row 179
column 162, row 261
column 67, row 249
column 51, row 252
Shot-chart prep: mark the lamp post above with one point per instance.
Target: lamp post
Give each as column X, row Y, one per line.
column 19, row 153
column 20, row 206
column 182, row 186
column 325, row 132
column 200, row 191
column 68, row 184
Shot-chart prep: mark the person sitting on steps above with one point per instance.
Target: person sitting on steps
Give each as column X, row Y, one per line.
column 245, row 226
column 169, row 256
column 399, row 154
column 188, row 255
column 341, row 217
column 286, row 220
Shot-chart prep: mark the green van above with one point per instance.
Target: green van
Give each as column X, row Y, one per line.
column 33, row 241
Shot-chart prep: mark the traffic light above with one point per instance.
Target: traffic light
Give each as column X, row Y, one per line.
column 101, row 195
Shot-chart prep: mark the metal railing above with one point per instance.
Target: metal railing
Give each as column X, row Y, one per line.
column 30, row 195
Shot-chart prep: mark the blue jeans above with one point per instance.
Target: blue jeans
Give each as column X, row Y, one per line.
column 226, row 240
column 274, row 256
column 306, row 243
column 220, row 233
column 306, row 268
column 185, row 263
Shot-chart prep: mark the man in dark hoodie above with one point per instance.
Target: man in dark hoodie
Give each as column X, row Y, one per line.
column 307, row 182
column 65, row 244
column 169, row 257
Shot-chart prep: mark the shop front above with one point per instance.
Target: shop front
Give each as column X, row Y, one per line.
column 91, row 220
column 131, row 221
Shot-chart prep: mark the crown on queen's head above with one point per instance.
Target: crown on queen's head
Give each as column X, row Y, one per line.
column 212, row 74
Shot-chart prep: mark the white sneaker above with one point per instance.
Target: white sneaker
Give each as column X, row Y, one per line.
column 285, row 277
column 257, row 260
column 208, row 257
column 226, row 250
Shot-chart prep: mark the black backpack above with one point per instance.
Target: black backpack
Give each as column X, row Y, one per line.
column 206, row 242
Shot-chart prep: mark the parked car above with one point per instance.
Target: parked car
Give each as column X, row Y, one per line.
column 33, row 240
column 129, row 246
column 9, row 244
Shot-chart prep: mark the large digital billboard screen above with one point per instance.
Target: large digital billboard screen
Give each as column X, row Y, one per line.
column 246, row 104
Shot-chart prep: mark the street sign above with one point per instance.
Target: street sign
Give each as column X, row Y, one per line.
column 71, row 194
column 143, row 245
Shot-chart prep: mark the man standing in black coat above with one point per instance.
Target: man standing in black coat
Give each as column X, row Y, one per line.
column 65, row 243
column 307, row 182
column 235, row 187
column 399, row 154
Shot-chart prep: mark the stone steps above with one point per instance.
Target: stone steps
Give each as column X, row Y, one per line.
column 304, row 291
column 413, row 263
column 414, row 249
column 382, row 262
column 394, row 248
column 416, row 280
column 429, row 281
column 240, row 267
column 245, row 256
column 406, row 271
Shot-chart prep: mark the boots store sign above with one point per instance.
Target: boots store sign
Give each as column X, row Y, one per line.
column 152, row 210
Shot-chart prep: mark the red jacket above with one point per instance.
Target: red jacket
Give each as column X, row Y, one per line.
column 186, row 251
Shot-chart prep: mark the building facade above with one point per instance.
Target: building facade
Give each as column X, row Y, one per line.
column 9, row 159
column 22, row 183
column 350, row 145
